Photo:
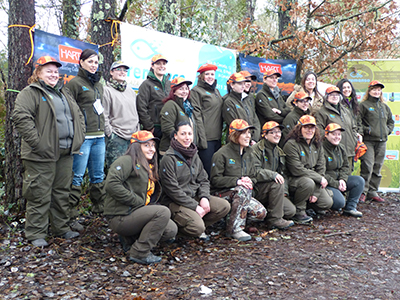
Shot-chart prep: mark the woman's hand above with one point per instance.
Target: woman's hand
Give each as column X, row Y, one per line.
column 279, row 179
column 342, row 185
column 200, row 211
column 324, row 182
column 277, row 111
column 359, row 137
column 246, row 182
column 205, row 204
column 312, row 199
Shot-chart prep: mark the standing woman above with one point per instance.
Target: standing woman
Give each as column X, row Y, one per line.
column 305, row 163
column 207, row 99
column 234, row 172
column 337, row 173
column 270, row 104
column 377, row 124
column 332, row 111
column 240, row 105
column 349, row 99
column 308, row 85
column 151, row 93
column 52, row 129
column 88, row 93
column 132, row 193
column 186, row 189
column 301, row 103
column 178, row 108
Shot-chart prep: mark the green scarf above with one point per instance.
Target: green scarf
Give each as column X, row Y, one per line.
column 117, row 85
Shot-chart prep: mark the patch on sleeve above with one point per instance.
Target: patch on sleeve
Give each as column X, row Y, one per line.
column 118, row 168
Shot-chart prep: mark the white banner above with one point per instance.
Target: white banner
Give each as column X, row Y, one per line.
column 139, row 45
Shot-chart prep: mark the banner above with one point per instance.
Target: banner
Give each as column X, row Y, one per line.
column 67, row 51
column 361, row 73
column 139, row 45
column 258, row 66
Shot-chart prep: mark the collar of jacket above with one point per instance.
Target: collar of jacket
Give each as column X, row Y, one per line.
column 152, row 76
column 373, row 99
column 206, row 86
column 266, row 88
column 329, row 145
column 236, row 147
column 330, row 106
column 265, row 144
column 172, row 152
column 301, row 112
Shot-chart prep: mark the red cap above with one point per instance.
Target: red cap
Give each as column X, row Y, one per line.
column 271, row 125
column 44, row 60
column 247, row 74
column 301, row 96
column 207, row 67
column 332, row 127
column 158, row 57
column 272, row 72
column 332, row 89
column 237, row 77
column 142, row 136
column 239, row 125
column 376, row 83
column 307, row 120
column 179, row 80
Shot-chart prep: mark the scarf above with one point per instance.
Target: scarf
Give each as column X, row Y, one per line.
column 275, row 92
column 118, row 85
column 93, row 78
column 187, row 153
column 188, row 107
column 150, row 186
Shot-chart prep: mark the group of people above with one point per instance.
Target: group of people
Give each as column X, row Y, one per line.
column 167, row 169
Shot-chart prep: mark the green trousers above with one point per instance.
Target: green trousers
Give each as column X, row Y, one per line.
column 46, row 187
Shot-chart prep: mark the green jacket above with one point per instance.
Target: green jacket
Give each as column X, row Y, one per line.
column 171, row 115
column 291, row 120
column 183, row 184
column 265, row 102
column 328, row 114
column 228, row 166
column 127, row 190
column 85, row 94
column 149, row 100
column 235, row 107
column 36, row 121
column 303, row 160
column 337, row 164
column 207, row 99
column 377, row 121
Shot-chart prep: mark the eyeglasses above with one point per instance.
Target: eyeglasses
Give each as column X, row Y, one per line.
column 309, row 127
column 335, row 95
column 275, row 132
column 304, row 101
column 121, row 69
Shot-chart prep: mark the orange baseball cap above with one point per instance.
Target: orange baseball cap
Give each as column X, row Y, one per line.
column 179, row 80
column 301, row 96
column 237, row 77
column 332, row 89
column 271, row 125
column 142, row 136
column 158, row 57
column 247, row 74
column 272, row 72
column 239, row 125
column 207, row 67
column 332, row 127
column 376, row 83
column 307, row 120
column 44, row 60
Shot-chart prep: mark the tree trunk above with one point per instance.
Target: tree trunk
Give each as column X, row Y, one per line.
column 299, row 67
column 284, row 18
column 250, row 8
column 71, row 10
column 103, row 12
column 21, row 12
column 167, row 17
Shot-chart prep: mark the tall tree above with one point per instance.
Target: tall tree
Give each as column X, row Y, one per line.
column 103, row 14
column 71, row 13
column 167, row 16
column 21, row 12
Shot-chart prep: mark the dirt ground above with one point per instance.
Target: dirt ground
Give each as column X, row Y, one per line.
column 338, row 257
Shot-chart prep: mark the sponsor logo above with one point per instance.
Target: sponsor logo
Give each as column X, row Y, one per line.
column 265, row 158
column 156, row 88
column 69, row 54
column 181, row 113
column 43, row 98
column 302, row 153
column 84, row 88
column 371, row 109
column 179, row 163
column 137, row 166
column 264, row 67
column 232, row 161
column 330, row 159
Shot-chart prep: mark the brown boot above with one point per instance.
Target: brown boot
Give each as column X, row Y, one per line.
column 281, row 224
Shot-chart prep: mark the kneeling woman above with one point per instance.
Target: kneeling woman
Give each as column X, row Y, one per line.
column 186, row 189
column 132, row 194
column 234, row 169
column 306, row 167
column 337, row 173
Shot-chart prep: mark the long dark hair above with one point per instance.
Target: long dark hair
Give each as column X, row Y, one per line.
column 86, row 54
column 179, row 125
column 295, row 134
column 138, row 158
column 172, row 95
column 303, row 82
column 353, row 95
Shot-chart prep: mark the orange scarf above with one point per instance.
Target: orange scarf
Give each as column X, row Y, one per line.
column 150, row 187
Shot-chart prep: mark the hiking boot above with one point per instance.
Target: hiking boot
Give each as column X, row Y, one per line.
column 39, row 243
column 75, row 225
column 302, row 218
column 353, row 212
column 378, row 199
column 70, row 235
column 204, row 237
column 241, row 236
column 126, row 242
column 362, row 198
column 321, row 212
column 149, row 259
column 281, row 224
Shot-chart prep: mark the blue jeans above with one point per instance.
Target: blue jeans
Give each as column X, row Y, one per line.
column 91, row 156
column 355, row 186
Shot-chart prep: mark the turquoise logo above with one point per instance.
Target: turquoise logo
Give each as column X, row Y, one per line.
column 332, row 116
column 302, row 153
column 208, row 93
column 237, row 106
column 143, row 49
column 371, row 109
column 232, row 161
column 181, row 113
column 84, row 88
column 137, row 167
column 179, row 163
column 156, row 88
column 43, row 98
column 266, row 158
column 330, row 159
column 270, row 99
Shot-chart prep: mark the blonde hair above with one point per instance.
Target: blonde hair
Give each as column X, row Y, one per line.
column 366, row 95
column 35, row 75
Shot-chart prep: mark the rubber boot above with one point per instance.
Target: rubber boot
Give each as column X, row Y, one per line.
column 97, row 195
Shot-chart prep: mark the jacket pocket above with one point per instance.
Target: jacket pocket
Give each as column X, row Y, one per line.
column 32, row 189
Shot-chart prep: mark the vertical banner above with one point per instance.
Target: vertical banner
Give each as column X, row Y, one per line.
column 361, row 73
column 139, row 45
column 258, row 66
column 66, row 50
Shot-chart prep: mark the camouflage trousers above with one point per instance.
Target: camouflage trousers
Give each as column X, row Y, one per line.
column 115, row 147
column 243, row 207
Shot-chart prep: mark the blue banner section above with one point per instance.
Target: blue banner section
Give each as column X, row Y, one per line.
column 66, row 50
column 258, row 66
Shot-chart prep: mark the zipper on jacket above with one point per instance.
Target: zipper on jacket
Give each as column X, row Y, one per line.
column 380, row 118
